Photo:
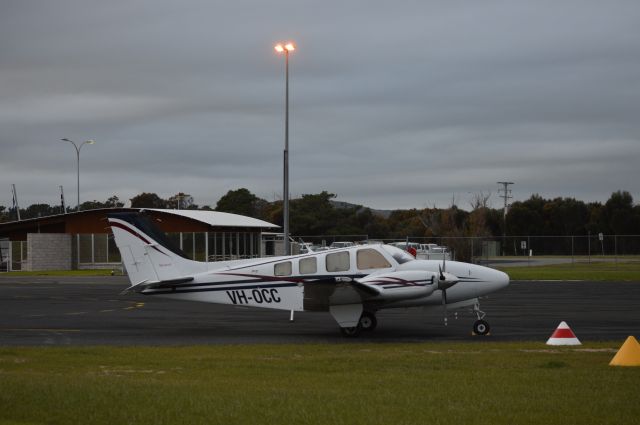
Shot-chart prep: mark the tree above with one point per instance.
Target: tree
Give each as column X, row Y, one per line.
column 181, row 201
column 478, row 219
column 148, row 200
column 91, row 205
column 39, row 210
column 114, row 202
column 242, row 202
column 618, row 213
column 313, row 215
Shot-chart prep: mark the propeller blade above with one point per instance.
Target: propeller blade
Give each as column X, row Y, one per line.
column 444, row 306
column 441, row 273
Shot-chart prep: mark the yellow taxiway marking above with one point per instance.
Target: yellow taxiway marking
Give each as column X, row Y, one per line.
column 133, row 307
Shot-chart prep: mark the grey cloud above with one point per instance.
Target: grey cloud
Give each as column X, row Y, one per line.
column 392, row 105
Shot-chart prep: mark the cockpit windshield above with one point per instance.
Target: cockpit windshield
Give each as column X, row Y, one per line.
column 399, row 255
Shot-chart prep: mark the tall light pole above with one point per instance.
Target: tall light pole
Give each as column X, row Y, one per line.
column 286, row 48
column 87, row 142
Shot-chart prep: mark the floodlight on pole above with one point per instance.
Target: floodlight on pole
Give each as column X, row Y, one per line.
column 286, row 48
column 86, row 142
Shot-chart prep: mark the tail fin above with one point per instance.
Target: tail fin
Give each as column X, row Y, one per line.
column 147, row 253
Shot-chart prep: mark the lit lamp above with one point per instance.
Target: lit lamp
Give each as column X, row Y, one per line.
column 286, row 48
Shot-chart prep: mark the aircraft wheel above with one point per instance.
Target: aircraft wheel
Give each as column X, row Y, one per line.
column 480, row 327
column 351, row 332
column 368, row 321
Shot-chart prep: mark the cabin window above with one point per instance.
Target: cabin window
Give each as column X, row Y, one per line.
column 282, row 269
column 338, row 262
column 371, row 259
column 308, row 265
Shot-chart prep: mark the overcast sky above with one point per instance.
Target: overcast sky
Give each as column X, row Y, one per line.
column 393, row 104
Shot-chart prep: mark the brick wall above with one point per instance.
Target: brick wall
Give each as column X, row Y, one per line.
column 48, row 251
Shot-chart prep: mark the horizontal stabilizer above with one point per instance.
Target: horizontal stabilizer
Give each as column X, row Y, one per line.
column 146, row 284
column 169, row 283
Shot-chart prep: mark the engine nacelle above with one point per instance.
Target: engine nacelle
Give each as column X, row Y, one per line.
column 402, row 285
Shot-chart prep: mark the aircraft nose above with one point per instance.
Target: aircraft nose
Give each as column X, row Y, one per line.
column 501, row 279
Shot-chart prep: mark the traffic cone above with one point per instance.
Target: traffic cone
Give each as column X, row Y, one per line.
column 563, row 335
column 628, row 354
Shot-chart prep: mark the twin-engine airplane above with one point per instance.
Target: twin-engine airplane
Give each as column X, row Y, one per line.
column 351, row 283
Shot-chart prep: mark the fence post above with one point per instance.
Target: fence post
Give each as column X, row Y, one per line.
column 472, row 250
column 572, row 252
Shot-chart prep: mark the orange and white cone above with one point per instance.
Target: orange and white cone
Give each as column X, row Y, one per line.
column 563, row 335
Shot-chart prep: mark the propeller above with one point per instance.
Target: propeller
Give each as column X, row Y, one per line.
column 441, row 285
column 446, row 281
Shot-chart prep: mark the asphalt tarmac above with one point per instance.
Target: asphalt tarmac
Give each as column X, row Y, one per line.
column 39, row 311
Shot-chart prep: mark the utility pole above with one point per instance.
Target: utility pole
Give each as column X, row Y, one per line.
column 506, row 195
column 16, row 207
column 64, row 210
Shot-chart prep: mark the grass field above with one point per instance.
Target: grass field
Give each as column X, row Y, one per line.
column 426, row 383
column 606, row 271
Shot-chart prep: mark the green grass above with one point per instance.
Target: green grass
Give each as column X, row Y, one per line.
column 604, row 271
column 426, row 383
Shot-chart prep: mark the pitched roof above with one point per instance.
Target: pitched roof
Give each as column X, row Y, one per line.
column 216, row 218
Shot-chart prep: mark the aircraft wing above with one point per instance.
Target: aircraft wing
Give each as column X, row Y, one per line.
column 349, row 297
column 377, row 288
column 398, row 285
column 365, row 288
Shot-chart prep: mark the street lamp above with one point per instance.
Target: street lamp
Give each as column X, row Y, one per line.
column 286, row 48
column 87, row 142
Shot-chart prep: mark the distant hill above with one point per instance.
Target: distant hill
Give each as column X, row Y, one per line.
column 346, row 205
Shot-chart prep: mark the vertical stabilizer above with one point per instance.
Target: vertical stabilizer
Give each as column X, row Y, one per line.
column 147, row 253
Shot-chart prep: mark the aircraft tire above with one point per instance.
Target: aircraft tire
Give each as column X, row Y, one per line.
column 481, row 327
column 368, row 321
column 351, row 332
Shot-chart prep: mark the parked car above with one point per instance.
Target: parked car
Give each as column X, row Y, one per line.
column 431, row 251
column 404, row 246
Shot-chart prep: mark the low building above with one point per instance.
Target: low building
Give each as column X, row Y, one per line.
column 83, row 240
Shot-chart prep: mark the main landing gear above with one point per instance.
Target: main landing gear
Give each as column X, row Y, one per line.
column 368, row 322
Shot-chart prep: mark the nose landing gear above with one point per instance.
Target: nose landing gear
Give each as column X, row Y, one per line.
column 480, row 327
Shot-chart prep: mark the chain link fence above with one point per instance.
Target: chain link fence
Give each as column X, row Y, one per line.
column 100, row 249
column 477, row 249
